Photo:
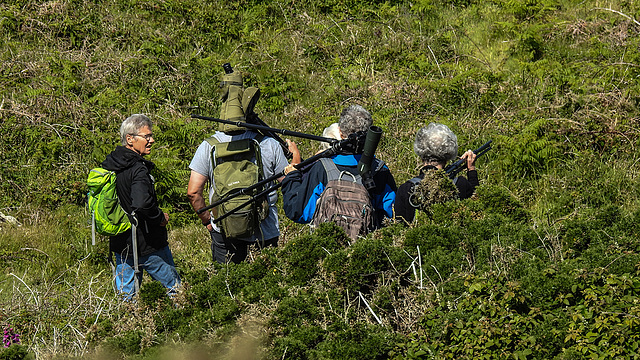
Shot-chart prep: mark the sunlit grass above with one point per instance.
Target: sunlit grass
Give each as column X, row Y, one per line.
column 523, row 74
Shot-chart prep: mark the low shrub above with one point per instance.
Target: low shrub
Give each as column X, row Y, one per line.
column 16, row 352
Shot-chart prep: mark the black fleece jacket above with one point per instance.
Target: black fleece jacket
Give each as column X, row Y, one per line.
column 134, row 185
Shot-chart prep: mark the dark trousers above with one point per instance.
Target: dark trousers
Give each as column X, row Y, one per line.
column 225, row 250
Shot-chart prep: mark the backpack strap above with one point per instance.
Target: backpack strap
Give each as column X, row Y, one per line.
column 330, row 168
column 258, row 151
column 377, row 165
column 213, row 141
column 414, row 182
column 334, row 174
column 216, row 160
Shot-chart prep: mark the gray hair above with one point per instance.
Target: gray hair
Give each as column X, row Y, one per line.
column 133, row 124
column 353, row 119
column 436, row 142
column 333, row 132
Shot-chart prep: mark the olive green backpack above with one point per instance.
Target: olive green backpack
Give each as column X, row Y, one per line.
column 238, row 165
column 234, row 163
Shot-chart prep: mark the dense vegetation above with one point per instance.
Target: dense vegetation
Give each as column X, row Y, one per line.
column 543, row 262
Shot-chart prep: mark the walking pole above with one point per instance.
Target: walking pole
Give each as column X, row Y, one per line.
column 134, row 243
column 93, row 228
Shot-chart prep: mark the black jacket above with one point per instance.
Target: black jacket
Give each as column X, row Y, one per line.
column 403, row 209
column 134, row 185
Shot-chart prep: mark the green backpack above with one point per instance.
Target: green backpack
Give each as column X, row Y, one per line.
column 108, row 216
column 233, row 170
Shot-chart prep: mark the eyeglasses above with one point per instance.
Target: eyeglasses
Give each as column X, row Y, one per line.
column 147, row 137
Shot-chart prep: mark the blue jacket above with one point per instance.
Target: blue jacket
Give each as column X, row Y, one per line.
column 300, row 191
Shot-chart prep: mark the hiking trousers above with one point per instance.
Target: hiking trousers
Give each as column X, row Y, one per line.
column 225, row 250
column 159, row 265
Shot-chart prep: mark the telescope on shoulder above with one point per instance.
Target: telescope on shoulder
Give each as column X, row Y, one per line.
column 366, row 160
column 453, row 169
column 238, row 103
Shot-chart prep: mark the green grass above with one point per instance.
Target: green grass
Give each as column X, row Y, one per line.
column 546, row 249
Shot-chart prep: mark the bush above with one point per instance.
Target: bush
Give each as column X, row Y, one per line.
column 542, row 262
column 16, row 352
column 305, row 252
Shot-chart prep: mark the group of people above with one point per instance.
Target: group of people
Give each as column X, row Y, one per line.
column 435, row 145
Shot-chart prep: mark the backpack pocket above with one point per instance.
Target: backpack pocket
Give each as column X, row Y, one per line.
column 241, row 223
column 348, row 204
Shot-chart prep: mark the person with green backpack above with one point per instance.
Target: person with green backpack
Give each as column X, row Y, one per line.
column 231, row 160
column 147, row 248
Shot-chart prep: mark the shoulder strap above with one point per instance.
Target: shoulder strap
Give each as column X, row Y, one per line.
column 259, row 137
column 258, row 153
column 330, row 168
column 212, row 140
column 222, row 151
column 414, row 182
column 334, row 174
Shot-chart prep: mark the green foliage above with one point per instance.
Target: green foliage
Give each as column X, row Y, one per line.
column 16, row 352
column 595, row 331
column 436, row 187
column 305, row 252
column 126, row 344
column 304, row 340
column 361, row 341
column 530, row 45
column 152, row 293
column 541, row 263
column 498, row 200
column 358, row 267
column 531, row 151
column 527, row 10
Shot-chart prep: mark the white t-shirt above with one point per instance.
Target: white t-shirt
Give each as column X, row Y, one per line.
column 273, row 162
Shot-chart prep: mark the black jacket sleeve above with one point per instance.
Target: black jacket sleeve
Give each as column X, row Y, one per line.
column 467, row 187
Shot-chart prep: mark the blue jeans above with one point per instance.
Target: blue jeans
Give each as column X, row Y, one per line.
column 159, row 265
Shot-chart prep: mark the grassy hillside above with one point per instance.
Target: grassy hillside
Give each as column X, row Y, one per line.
column 542, row 263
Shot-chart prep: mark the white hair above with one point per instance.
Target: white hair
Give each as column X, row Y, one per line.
column 353, row 119
column 436, row 142
column 333, row 132
column 133, row 124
